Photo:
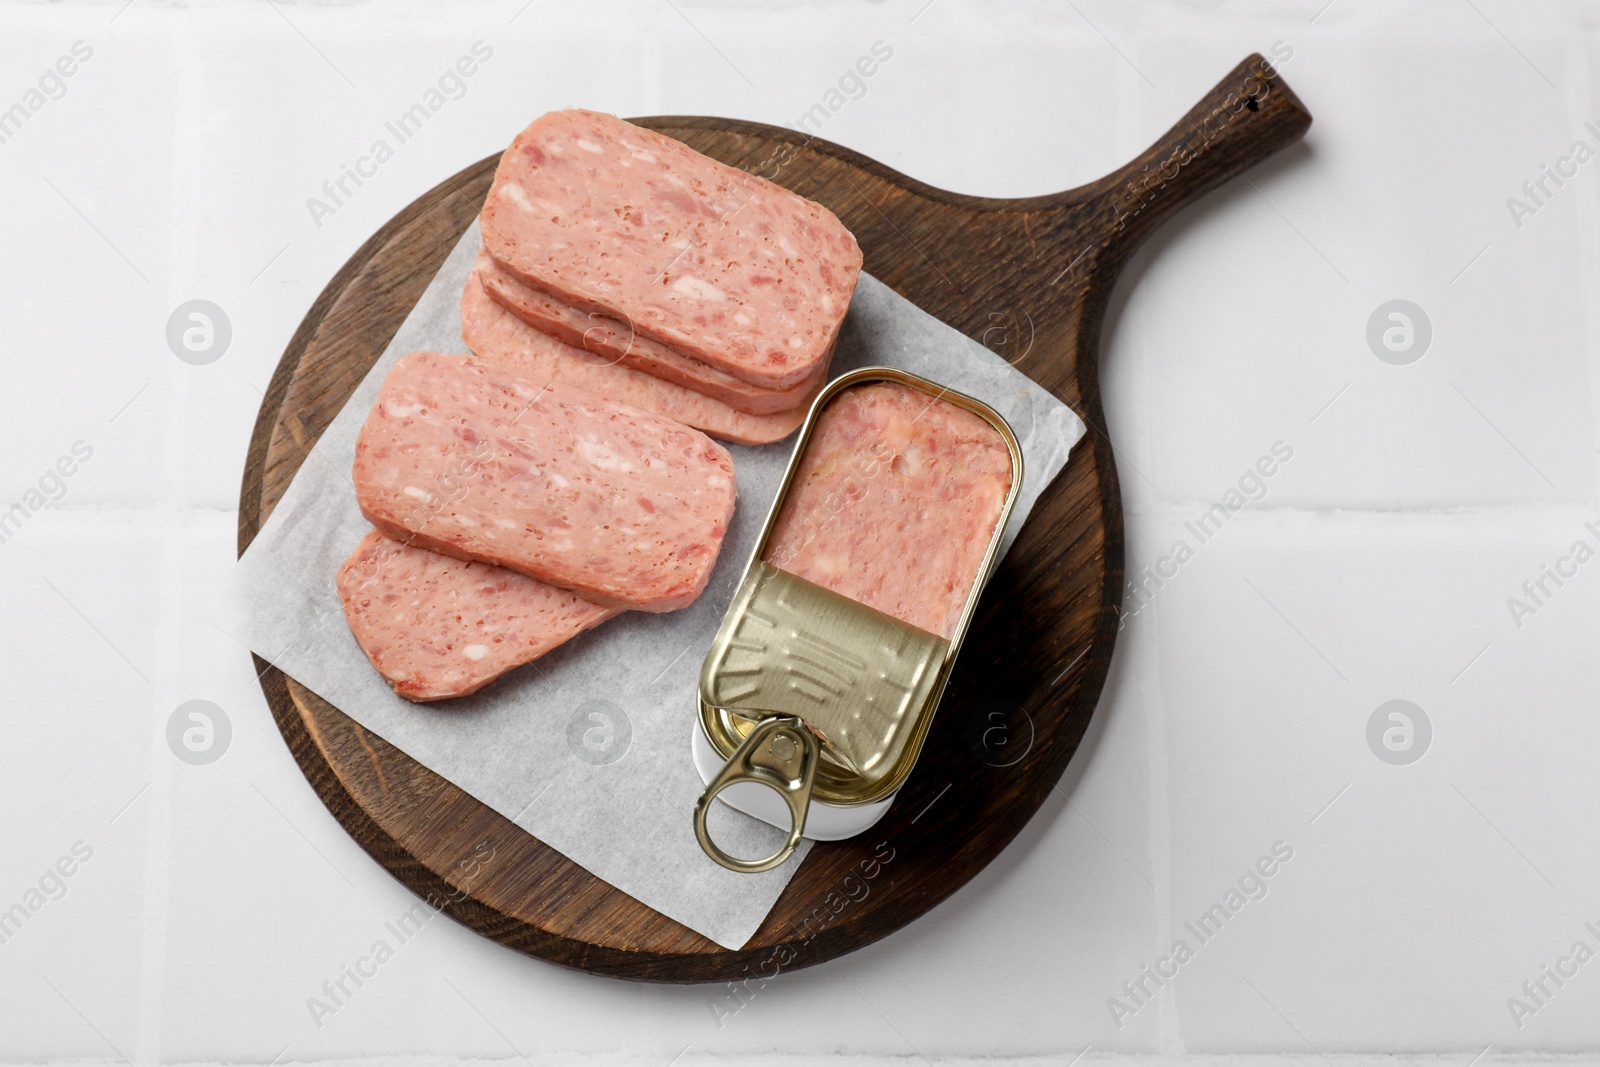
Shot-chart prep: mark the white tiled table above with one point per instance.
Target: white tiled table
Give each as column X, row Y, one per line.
column 1376, row 565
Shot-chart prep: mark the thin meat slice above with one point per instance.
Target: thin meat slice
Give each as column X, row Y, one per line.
column 607, row 337
column 437, row 627
column 499, row 338
column 723, row 266
column 894, row 503
column 623, row 507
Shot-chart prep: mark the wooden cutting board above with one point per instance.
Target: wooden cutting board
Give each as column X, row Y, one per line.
column 1029, row 278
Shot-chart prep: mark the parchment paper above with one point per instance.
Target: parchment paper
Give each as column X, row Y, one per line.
column 588, row 748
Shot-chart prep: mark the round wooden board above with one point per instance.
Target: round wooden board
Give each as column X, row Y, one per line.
column 1030, row 278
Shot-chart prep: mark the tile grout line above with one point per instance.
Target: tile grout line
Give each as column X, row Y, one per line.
column 1169, row 1023
column 1169, row 1027
column 158, row 813
column 1169, row 1020
column 1581, row 95
column 181, row 271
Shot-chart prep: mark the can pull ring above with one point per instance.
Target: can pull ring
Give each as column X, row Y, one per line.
column 780, row 752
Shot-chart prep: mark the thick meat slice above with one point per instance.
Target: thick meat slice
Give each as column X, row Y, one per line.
column 721, row 265
column 607, row 337
column 624, row 508
column 894, row 503
column 437, row 627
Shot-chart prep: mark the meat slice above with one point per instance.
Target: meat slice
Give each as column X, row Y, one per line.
column 436, row 627
column 894, row 503
column 607, row 337
column 622, row 507
column 500, row 339
column 723, row 266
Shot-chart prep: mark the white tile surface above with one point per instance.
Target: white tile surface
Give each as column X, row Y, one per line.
column 1376, row 563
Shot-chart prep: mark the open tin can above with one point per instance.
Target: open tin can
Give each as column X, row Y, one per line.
column 820, row 698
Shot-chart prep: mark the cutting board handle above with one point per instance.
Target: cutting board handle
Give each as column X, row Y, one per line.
column 1246, row 117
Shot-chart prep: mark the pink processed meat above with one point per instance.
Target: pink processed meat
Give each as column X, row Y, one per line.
column 436, row 627
column 894, row 503
column 622, row 507
column 607, row 337
column 498, row 338
column 723, row 266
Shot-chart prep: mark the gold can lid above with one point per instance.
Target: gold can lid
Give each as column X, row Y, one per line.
column 857, row 678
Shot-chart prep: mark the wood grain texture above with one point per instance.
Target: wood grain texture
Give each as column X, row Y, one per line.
column 1030, row 278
